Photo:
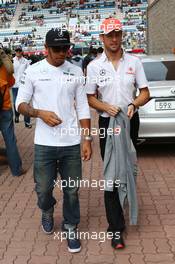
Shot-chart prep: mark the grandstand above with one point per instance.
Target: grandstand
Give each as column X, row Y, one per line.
column 26, row 22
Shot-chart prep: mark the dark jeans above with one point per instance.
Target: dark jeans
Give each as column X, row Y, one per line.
column 17, row 114
column 7, row 130
column 68, row 161
column 114, row 212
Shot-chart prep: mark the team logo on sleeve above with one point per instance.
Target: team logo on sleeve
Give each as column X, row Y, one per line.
column 130, row 71
column 102, row 72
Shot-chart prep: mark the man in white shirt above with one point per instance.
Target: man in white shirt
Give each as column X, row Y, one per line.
column 20, row 65
column 59, row 101
column 112, row 82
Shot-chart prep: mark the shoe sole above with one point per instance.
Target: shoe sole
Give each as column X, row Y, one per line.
column 74, row 250
column 119, row 247
column 48, row 233
column 69, row 249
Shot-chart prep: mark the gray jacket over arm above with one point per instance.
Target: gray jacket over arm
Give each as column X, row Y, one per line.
column 120, row 163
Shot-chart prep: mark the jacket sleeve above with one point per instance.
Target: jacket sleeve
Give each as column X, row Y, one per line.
column 11, row 81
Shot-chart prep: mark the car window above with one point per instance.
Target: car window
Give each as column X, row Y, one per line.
column 159, row 70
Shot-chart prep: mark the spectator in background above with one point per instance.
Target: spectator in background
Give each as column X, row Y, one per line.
column 20, row 65
column 77, row 58
column 91, row 56
column 99, row 52
column 6, row 115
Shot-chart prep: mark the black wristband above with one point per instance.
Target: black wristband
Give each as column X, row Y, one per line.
column 133, row 105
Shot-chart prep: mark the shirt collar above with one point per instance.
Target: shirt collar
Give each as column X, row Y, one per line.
column 105, row 58
column 123, row 55
column 62, row 66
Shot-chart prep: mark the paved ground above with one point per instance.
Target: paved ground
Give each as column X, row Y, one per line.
column 152, row 241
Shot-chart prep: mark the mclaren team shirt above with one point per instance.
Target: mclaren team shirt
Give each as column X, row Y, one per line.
column 115, row 86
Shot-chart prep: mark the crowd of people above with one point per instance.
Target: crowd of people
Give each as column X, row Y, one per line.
column 134, row 17
column 23, row 18
column 52, row 7
column 131, row 17
column 7, row 11
column 128, row 3
column 96, row 4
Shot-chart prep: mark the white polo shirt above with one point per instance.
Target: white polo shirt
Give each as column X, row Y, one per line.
column 116, row 87
column 58, row 89
column 20, row 65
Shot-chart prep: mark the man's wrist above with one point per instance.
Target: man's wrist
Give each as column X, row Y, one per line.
column 37, row 113
column 88, row 138
column 105, row 107
column 134, row 106
column 33, row 112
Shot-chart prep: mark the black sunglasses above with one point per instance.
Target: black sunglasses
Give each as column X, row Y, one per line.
column 60, row 48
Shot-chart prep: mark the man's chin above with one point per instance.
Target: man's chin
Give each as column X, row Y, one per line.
column 59, row 62
column 114, row 49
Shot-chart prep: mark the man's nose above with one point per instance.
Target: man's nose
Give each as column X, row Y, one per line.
column 61, row 53
column 114, row 38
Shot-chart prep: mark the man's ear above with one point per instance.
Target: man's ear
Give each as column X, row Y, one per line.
column 101, row 37
column 46, row 47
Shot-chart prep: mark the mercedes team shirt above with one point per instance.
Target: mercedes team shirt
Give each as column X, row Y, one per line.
column 58, row 89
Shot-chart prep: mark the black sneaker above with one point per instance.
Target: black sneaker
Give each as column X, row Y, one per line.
column 117, row 241
column 74, row 245
column 22, row 172
column 28, row 125
column 47, row 222
column 16, row 119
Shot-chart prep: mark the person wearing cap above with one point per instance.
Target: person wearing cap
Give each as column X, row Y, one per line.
column 20, row 65
column 111, row 84
column 59, row 101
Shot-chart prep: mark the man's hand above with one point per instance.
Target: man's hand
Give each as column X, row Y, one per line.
column 50, row 118
column 131, row 111
column 111, row 109
column 86, row 150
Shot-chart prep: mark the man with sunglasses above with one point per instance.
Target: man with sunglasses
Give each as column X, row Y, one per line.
column 59, row 101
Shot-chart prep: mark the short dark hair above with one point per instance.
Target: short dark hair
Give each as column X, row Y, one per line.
column 100, row 50
column 92, row 50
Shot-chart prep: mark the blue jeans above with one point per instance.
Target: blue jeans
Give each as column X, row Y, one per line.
column 67, row 160
column 7, row 130
column 17, row 114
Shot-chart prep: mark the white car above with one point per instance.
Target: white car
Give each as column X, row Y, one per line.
column 157, row 117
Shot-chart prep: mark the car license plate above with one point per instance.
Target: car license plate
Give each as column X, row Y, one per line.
column 165, row 105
